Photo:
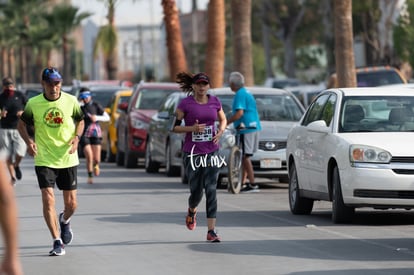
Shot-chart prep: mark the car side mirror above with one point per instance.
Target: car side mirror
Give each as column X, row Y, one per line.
column 318, row 126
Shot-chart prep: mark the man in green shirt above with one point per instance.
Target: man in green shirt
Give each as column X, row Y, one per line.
column 58, row 124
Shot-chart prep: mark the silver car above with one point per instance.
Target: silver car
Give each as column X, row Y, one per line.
column 279, row 110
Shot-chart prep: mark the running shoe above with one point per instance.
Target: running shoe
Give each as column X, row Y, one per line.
column 190, row 220
column 90, row 180
column 213, row 237
column 250, row 189
column 58, row 249
column 18, row 172
column 66, row 233
column 96, row 170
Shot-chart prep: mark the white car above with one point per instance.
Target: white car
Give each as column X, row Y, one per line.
column 354, row 147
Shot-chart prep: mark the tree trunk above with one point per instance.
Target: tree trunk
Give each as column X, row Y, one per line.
column 344, row 50
column 216, row 42
column 111, row 64
column 66, row 62
column 266, row 42
column 176, row 56
column 242, row 40
column 4, row 61
column 11, row 64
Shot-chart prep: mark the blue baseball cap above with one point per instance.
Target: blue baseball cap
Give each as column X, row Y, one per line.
column 51, row 75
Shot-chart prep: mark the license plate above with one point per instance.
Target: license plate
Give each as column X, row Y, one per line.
column 270, row 163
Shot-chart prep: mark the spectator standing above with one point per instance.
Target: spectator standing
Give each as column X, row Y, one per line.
column 58, row 125
column 246, row 119
column 200, row 112
column 91, row 140
column 10, row 263
column 12, row 103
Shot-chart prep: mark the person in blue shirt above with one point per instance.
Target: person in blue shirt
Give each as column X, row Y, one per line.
column 246, row 119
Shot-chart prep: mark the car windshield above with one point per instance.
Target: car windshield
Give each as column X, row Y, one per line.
column 103, row 97
column 151, row 99
column 269, row 107
column 377, row 114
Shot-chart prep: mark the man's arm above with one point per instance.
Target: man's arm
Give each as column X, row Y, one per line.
column 235, row 117
column 31, row 145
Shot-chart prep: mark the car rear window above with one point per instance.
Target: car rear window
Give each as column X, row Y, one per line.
column 378, row 78
column 151, row 99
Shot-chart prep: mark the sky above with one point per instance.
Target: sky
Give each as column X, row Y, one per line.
column 129, row 12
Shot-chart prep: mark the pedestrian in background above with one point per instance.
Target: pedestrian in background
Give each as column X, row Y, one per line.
column 246, row 120
column 12, row 103
column 200, row 112
column 91, row 140
column 58, row 125
column 10, row 263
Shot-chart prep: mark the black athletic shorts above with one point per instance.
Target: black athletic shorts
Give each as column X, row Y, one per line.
column 91, row 141
column 65, row 178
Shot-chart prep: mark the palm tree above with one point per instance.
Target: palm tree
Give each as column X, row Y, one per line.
column 176, row 56
column 63, row 20
column 242, row 41
column 344, row 51
column 216, row 42
column 16, row 19
column 107, row 41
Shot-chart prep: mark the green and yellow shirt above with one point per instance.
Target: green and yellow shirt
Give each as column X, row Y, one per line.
column 55, row 125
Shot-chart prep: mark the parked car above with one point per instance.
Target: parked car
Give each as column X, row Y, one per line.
column 281, row 83
column 120, row 97
column 164, row 147
column 279, row 110
column 306, row 93
column 133, row 122
column 373, row 76
column 353, row 147
column 378, row 76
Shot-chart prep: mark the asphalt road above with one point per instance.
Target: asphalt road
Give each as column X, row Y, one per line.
column 130, row 222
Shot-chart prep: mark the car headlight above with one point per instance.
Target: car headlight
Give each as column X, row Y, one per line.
column 364, row 153
column 138, row 124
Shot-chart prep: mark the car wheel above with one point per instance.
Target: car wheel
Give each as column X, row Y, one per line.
column 340, row 212
column 284, row 179
column 150, row 166
column 298, row 205
column 119, row 157
column 110, row 157
column 235, row 171
column 130, row 160
column 220, row 184
column 170, row 170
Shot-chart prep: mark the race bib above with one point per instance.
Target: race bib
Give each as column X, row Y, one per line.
column 207, row 135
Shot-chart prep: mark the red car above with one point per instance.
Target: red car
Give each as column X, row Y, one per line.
column 133, row 122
